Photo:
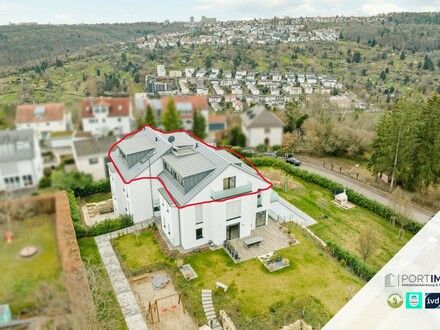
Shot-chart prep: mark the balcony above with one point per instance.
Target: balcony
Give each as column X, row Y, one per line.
column 222, row 194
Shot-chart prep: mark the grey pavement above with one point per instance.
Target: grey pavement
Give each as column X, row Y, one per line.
column 419, row 214
column 299, row 216
column 130, row 309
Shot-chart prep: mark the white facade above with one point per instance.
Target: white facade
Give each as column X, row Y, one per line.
column 203, row 217
column 95, row 165
column 270, row 136
column 21, row 165
column 43, row 129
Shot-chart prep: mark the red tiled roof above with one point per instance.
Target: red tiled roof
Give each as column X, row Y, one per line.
column 217, row 119
column 117, row 107
column 198, row 102
column 26, row 113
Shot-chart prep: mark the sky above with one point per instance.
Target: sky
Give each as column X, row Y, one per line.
column 125, row 11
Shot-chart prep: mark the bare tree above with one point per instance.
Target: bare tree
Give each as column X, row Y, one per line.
column 367, row 243
column 12, row 210
column 402, row 207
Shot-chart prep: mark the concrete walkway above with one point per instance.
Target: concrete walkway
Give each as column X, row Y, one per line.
column 130, row 309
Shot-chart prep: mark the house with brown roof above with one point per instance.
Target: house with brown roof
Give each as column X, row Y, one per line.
column 42, row 118
column 260, row 126
column 103, row 115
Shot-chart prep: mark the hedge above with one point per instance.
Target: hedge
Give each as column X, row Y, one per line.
column 354, row 263
column 353, row 196
column 99, row 187
column 100, row 228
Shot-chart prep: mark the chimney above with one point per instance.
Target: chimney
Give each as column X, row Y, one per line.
column 91, row 101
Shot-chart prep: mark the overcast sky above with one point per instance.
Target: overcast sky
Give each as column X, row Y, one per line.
column 122, row 11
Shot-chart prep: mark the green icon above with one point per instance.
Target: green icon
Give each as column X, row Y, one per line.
column 395, row 300
column 414, row 300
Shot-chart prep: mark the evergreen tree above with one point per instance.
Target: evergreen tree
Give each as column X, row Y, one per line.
column 149, row 117
column 171, row 118
column 199, row 125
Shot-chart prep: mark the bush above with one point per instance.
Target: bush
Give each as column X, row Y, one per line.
column 102, row 186
column 104, row 227
column 351, row 261
column 353, row 196
column 45, row 182
column 74, row 212
column 261, row 147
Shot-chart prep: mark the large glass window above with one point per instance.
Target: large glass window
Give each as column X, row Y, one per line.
column 229, row 183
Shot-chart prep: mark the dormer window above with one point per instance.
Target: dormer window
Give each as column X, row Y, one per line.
column 99, row 109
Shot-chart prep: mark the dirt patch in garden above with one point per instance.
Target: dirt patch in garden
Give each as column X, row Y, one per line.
column 170, row 311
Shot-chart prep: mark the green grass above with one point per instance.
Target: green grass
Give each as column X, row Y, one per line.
column 256, row 298
column 21, row 278
column 138, row 256
column 345, row 227
column 98, row 197
column 91, row 257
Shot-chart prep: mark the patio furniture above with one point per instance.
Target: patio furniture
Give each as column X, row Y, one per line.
column 221, row 285
column 253, row 241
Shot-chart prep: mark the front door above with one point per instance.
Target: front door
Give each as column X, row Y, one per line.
column 233, row 231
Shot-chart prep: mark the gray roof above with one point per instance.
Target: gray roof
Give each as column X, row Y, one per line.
column 135, row 144
column 259, row 116
column 94, row 146
column 16, row 145
column 203, row 159
column 189, row 165
column 165, row 195
column 229, row 157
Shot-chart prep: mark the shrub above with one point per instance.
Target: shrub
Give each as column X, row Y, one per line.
column 45, row 182
column 179, row 263
column 74, row 211
column 102, row 186
column 261, row 147
column 105, row 227
column 351, row 261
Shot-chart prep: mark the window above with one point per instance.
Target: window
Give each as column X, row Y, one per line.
column 199, row 214
column 199, row 233
column 233, row 210
column 47, row 124
column 12, row 182
column 259, row 201
column 93, row 161
column 103, row 120
column 267, row 130
column 119, row 120
column 229, row 183
column 27, row 180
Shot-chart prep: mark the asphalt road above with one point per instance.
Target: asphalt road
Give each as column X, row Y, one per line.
column 419, row 214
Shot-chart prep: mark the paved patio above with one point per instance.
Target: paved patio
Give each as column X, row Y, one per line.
column 273, row 239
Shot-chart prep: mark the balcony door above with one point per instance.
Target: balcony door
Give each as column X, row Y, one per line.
column 233, row 231
column 260, row 219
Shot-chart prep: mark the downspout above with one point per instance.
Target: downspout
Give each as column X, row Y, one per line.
column 180, row 233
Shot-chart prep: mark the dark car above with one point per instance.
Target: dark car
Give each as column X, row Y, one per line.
column 270, row 154
column 293, row 161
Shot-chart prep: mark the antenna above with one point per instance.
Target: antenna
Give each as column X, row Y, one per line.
column 171, row 139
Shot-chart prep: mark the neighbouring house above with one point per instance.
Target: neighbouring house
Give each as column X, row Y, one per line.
column 21, row 165
column 91, row 155
column 260, row 126
column 217, row 123
column 199, row 193
column 186, row 106
column 103, row 115
column 43, row 118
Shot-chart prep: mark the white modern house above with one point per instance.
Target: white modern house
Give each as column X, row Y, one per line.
column 260, row 126
column 91, row 155
column 43, row 119
column 106, row 114
column 21, row 165
column 200, row 193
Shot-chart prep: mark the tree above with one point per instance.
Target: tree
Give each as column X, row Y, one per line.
column 171, row 118
column 58, row 63
column 402, row 56
column 150, row 119
column 400, row 203
column 11, row 211
column 199, row 125
column 123, row 57
column 367, row 243
column 237, row 137
column 356, row 57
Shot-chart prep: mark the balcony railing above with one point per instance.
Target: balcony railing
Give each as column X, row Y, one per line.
column 216, row 195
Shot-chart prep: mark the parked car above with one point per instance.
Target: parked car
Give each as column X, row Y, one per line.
column 270, row 154
column 293, row 161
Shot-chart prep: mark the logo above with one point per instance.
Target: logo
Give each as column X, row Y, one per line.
column 395, row 300
column 414, row 300
column 432, row 300
column 391, row 280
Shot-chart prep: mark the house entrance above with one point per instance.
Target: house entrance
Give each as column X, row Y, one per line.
column 260, row 219
column 233, row 231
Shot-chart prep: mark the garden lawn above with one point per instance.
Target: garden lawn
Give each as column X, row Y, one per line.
column 91, row 257
column 21, row 278
column 256, row 298
column 98, row 197
column 344, row 227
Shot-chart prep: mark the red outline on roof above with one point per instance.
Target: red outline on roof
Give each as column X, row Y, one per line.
column 163, row 184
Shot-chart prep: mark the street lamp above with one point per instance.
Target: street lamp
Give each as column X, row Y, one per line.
column 349, row 173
